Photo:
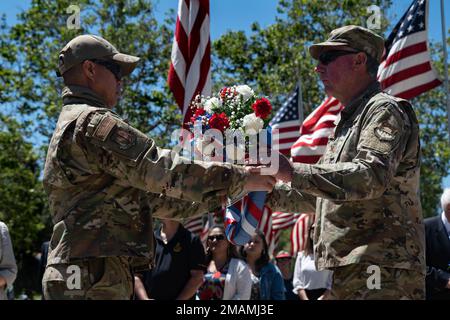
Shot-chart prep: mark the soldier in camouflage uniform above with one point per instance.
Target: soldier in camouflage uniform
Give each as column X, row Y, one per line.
column 106, row 180
column 365, row 188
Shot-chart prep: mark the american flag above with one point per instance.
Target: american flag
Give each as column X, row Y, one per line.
column 272, row 223
column 194, row 225
column 406, row 70
column 287, row 122
column 299, row 233
column 265, row 225
column 200, row 225
column 315, row 131
column 243, row 217
column 189, row 72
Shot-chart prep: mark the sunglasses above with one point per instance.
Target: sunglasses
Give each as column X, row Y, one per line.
column 329, row 56
column 217, row 237
column 111, row 66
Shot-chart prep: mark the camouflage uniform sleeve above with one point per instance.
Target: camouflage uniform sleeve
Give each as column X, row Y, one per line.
column 134, row 159
column 171, row 208
column 284, row 198
column 380, row 147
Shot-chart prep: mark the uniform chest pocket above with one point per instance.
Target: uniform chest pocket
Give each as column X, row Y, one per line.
column 342, row 148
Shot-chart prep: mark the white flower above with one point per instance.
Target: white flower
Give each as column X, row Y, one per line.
column 245, row 91
column 252, row 123
column 212, row 103
column 235, row 152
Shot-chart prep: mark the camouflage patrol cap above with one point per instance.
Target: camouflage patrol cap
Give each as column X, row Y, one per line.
column 351, row 37
column 90, row 46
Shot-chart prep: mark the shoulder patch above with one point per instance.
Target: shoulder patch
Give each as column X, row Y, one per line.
column 124, row 137
column 385, row 133
column 104, row 128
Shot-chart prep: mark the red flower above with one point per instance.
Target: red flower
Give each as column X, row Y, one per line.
column 262, row 108
column 219, row 122
column 225, row 92
column 198, row 112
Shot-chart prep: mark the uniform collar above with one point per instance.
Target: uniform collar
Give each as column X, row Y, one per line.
column 372, row 89
column 76, row 94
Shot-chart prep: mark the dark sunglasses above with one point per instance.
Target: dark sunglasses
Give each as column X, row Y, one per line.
column 217, row 237
column 111, row 66
column 329, row 56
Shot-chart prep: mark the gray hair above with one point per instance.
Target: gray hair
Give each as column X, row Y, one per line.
column 445, row 198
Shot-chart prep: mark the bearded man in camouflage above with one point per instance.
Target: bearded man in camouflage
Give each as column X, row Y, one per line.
column 106, row 180
column 365, row 188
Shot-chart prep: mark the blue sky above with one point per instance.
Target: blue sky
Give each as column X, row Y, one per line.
column 240, row 14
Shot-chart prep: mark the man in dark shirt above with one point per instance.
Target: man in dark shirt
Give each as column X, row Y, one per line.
column 179, row 265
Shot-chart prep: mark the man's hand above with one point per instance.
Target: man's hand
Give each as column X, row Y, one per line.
column 285, row 169
column 447, row 286
column 258, row 182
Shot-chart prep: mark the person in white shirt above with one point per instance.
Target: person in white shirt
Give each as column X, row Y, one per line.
column 308, row 283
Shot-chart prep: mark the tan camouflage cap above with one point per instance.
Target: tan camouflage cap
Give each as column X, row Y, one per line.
column 351, row 37
column 89, row 46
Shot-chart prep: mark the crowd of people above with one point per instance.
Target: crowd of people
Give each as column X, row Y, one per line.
column 186, row 269
column 222, row 271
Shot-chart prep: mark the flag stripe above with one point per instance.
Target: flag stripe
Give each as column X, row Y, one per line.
column 414, row 92
column 406, row 73
column 406, row 52
column 411, row 83
column 189, row 72
column 403, row 64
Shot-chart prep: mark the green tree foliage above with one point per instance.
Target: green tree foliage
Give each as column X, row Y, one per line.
column 275, row 58
column 22, row 203
column 431, row 110
column 34, row 43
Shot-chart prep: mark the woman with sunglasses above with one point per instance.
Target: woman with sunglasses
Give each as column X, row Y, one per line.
column 227, row 277
column 267, row 281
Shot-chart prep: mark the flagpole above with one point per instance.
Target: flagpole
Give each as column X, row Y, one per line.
column 300, row 101
column 444, row 43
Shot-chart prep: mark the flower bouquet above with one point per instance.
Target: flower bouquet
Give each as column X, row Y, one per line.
column 237, row 114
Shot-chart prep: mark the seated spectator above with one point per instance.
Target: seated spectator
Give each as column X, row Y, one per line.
column 227, row 277
column 179, row 265
column 267, row 282
column 8, row 267
column 283, row 261
column 437, row 237
column 310, row 284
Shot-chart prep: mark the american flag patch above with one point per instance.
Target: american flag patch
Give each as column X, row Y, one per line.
column 104, row 128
